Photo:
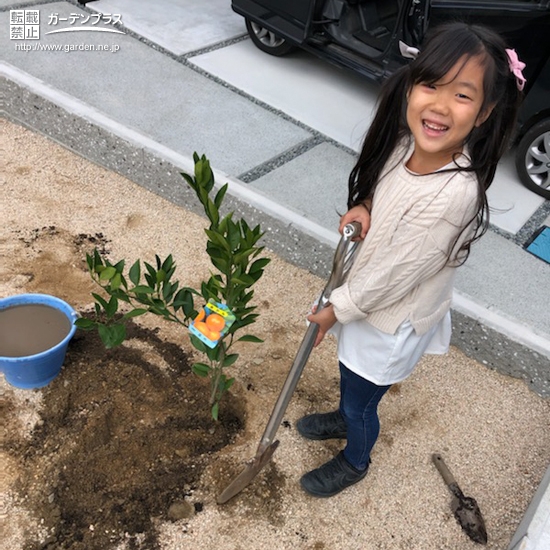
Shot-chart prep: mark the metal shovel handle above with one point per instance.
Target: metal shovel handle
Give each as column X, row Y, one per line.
column 342, row 262
column 340, row 265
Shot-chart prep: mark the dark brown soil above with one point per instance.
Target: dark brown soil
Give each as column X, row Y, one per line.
column 121, row 443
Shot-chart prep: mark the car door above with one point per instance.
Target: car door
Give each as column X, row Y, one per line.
column 416, row 21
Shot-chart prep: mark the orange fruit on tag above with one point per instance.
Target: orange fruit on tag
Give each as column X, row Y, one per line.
column 215, row 322
column 202, row 328
column 214, row 335
column 200, row 316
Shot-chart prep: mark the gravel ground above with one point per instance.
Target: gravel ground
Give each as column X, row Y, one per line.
column 491, row 429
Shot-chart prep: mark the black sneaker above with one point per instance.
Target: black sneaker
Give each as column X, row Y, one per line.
column 332, row 477
column 322, row 426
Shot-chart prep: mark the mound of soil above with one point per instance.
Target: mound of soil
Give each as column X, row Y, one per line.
column 123, row 440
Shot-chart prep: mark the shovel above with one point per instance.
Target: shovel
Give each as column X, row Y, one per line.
column 342, row 261
column 465, row 509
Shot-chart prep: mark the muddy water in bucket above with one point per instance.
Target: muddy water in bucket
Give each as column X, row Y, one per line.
column 35, row 330
column 31, row 328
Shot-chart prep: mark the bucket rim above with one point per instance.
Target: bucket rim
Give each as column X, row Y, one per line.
column 41, row 299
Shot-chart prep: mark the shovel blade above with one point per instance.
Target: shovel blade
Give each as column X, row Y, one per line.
column 252, row 469
column 468, row 515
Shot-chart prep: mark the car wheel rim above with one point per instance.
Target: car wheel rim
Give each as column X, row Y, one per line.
column 267, row 37
column 537, row 161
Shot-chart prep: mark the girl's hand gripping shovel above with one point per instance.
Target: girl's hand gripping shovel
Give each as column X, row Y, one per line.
column 341, row 263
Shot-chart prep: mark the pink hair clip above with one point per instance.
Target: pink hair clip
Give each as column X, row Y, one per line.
column 516, row 66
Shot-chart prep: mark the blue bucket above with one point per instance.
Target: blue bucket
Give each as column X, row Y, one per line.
column 38, row 370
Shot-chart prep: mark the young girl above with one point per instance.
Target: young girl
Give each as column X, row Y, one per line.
column 442, row 124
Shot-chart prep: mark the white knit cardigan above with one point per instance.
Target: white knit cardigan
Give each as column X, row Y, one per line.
column 401, row 270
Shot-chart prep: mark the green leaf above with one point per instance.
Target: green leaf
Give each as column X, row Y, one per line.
column 244, row 279
column 184, row 300
column 112, row 307
column 112, row 335
column 198, row 344
column 230, row 359
column 151, row 270
column 188, row 179
column 201, row 369
column 85, row 324
column 142, row 289
column 220, row 195
column 100, row 300
column 161, row 275
column 107, row 274
column 167, row 291
column 203, row 174
column 228, row 383
column 116, row 281
column 258, row 265
column 222, row 227
column 220, row 264
column 243, row 256
column 233, row 235
column 218, row 239
column 170, row 272
column 97, row 260
column 135, row 273
column 168, row 263
column 250, row 338
column 213, row 353
column 120, row 266
column 213, row 213
column 135, row 313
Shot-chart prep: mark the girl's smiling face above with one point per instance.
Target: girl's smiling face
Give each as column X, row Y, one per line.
column 441, row 115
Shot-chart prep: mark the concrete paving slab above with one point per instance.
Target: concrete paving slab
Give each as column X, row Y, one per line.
column 335, row 102
column 142, row 88
column 179, row 26
column 311, row 184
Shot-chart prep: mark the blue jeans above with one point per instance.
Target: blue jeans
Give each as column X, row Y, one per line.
column 359, row 400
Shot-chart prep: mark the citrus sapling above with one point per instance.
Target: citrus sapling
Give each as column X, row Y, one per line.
column 232, row 246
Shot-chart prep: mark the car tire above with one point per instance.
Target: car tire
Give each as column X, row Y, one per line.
column 268, row 41
column 533, row 159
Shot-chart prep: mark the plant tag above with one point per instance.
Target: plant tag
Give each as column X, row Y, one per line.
column 212, row 323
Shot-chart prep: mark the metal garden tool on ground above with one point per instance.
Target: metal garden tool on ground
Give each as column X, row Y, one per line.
column 465, row 509
column 341, row 263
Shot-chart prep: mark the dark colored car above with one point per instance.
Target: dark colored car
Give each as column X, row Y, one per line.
column 364, row 36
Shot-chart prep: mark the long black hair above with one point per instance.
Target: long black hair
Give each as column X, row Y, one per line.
column 445, row 46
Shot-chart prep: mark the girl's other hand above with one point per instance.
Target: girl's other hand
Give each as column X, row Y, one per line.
column 360, row 214
column 325, row 319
